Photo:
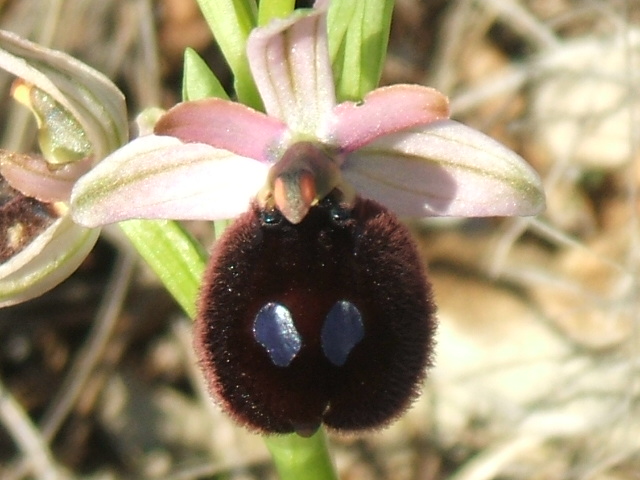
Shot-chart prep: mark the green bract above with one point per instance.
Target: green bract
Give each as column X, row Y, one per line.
column 231, row 21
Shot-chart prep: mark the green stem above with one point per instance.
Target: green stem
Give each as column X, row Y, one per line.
column 299, row 458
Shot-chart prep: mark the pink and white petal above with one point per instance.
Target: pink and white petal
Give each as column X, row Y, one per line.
column 54, row 255
column 383, row 111
column 32, row 176
column 445, row 168
column 225, row 125
column 161, row 177
column 289, row 59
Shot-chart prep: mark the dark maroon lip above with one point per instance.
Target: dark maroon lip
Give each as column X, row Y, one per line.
column 22, row 219
column 327, row 321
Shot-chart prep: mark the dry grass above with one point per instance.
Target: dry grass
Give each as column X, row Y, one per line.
column 539, row 344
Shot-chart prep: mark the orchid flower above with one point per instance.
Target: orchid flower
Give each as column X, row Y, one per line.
column 314, row 277
column 81, row 118
column 207, row 159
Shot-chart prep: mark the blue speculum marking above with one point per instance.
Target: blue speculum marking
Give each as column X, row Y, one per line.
column 342, row 330
column 275, row 331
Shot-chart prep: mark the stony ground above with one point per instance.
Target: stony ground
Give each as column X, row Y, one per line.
column 537, row 373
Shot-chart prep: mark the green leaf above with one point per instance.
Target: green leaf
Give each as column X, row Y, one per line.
column 358, row 37
column 172, row 254
column 270, row 9
column 299, row 458
column 231, row 21
column 198, row 81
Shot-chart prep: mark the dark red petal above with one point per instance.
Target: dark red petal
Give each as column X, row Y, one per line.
column 363, row 260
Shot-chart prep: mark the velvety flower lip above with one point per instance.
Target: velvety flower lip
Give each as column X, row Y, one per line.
column 398, row 146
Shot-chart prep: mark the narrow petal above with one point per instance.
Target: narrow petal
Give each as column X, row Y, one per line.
column 383, row 111
column 33, row 177
column 225, row 125
column 48, row 260
column 289, row 60
column 161, row 177
column 445, row 168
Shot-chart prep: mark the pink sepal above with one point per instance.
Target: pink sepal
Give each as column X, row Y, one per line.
column 161, row 177
column 445, row 169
